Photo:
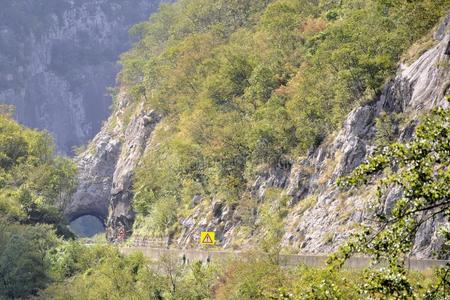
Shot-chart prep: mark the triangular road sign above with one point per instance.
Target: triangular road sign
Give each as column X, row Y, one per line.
column 208, row 238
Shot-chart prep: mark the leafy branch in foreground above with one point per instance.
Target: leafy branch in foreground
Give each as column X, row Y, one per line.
column 420, row 171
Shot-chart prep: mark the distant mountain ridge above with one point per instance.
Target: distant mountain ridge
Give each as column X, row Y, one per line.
column 57, row 59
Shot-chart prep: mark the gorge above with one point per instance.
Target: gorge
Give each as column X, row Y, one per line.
column 224, row 149
column 57, row 64
column 320, row 217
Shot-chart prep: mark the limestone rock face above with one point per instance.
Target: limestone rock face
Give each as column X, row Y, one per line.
column 322, row 227
column 136, row 135
column 95, row 168
column 106, row 168
column 59, row 57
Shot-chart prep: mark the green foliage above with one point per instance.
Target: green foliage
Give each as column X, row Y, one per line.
column 253, row 277
column 420, row 170
column 24, row 268
column 33, row 182
column 323, row 284
column 272, row 213
column 72, row 258
column 387, row 129
column 34, row 185
column 258, row 277
column 101, row 272
column 228, row 109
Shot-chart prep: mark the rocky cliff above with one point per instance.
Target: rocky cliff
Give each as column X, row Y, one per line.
column 57, row 59
column 416, row 89
column 320, row 216
column 106, row 168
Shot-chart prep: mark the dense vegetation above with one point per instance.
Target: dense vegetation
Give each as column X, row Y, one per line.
column 247, row 85
column 102, row 273
column 34, row 185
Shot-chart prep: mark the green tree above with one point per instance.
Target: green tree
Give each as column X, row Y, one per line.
column 24, row 268
column 34, row 184
column 420, row 170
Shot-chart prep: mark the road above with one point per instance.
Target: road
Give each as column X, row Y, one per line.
column 190, row 255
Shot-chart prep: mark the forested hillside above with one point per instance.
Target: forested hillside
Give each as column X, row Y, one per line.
column 37, row 260
column 245, row 86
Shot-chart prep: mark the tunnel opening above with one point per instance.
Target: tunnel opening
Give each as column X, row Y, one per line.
column 87, row 226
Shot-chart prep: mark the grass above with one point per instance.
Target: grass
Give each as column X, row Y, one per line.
column 306, row 203
column 328, row 237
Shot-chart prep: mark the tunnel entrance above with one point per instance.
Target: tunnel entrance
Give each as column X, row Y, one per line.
column 87, row 226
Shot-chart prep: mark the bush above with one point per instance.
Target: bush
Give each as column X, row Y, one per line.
column 24, row 268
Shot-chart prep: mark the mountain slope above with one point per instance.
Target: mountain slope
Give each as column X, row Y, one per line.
column 209, row 134
column 320, row 216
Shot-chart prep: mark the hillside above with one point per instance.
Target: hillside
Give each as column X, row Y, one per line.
column 312, row 137
column 239, row 117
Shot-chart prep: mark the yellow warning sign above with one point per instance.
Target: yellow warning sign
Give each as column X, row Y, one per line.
column 208, row 238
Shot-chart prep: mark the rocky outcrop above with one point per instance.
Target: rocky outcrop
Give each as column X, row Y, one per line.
column 96, row 167
column 322, row 227
column 57, row 59
column 106, row 168
column 136, row 136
